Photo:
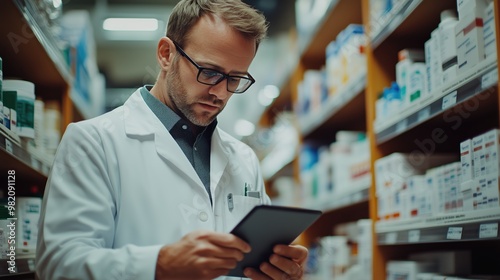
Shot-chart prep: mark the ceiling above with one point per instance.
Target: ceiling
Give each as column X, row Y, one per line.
column 125, row 63
column 129, row 64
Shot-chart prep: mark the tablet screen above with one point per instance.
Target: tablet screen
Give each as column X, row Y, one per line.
column 265, row 226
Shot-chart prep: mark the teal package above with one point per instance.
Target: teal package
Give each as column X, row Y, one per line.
column 25, row 108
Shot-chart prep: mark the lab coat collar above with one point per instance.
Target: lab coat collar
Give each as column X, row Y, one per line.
column 139, row 120
column 137, row 116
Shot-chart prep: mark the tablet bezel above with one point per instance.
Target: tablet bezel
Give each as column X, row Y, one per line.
column 266, row 226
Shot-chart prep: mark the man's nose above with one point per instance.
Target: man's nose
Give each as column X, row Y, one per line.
column 220, row 90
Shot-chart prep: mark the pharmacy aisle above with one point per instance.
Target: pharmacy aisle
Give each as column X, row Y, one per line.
column 406, row 92
column 40, row 97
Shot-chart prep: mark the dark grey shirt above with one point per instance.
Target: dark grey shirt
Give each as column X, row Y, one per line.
column 195, row 147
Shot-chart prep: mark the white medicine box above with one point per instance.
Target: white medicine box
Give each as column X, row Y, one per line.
column 470, row 40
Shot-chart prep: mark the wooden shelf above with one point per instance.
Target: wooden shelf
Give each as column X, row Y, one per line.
column 414, row 22
column 346, row 109
column 29, row 53
column 451, row 227
column 25, row 268
column 408, row 27
column 482, row 78
column 18, row 159
column 343, row 13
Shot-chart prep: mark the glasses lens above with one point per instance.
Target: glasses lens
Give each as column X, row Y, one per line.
column 210, row 77
column 238, row 84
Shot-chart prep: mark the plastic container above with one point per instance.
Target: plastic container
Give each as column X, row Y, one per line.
column 448, row 45
column 9, row 109
column 25, row 106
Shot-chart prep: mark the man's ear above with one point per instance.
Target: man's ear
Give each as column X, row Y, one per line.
column 165, row 53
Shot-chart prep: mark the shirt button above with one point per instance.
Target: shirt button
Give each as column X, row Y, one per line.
column 203, row 216
column 184, row 126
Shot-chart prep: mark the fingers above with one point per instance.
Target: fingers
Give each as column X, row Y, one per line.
column 295, row 252
column 270, row 271
column 210, row 249
column 285, row 264
column 229, row 241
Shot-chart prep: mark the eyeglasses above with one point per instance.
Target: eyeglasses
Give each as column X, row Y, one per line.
column 207, row 76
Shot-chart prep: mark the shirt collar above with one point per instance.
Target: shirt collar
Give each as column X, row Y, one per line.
column 166, row 115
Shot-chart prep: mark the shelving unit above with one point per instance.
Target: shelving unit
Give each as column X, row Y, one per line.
column 462, row 109
column 31, row 54
column 343, row 111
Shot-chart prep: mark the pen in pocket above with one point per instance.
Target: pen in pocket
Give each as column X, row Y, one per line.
column 230, row 203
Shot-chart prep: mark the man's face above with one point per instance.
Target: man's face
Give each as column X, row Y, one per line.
column 211, row 44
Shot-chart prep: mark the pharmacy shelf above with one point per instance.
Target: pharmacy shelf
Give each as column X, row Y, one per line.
column 452, row 227
column 333, row 105
column 340, row 14
column 386, row 25
column 481, row 78
column 18, row 159
column 306, row 39
column 280, row 158
column 406, row 17
column 27, row 41
column 25, row 268
column 332, row 203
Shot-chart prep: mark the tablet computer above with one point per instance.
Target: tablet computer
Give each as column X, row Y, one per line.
column 265, row 226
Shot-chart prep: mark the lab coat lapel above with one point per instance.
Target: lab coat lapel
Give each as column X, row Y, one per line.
column 219, row 159
column 141, row 121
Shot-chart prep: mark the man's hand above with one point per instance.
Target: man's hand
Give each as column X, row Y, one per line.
column 200, row 255
column 285, row 264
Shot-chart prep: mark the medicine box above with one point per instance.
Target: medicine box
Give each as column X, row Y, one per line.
column 478, row 156
column 470, row 38
column 491, row 151
column 489, row 31
column 466, row 160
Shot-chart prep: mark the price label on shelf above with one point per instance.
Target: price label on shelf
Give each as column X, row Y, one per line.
column 8, row 146
column 488, row 230
column 401, row 125
column 454, row 233
column 414, row 235
column 424, row 114
column 449, row 100
column 391, row 237
column 489, row 79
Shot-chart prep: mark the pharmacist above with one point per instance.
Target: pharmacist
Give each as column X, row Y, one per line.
column 141, row 192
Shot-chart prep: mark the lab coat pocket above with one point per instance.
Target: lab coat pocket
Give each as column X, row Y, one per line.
column 241, row 205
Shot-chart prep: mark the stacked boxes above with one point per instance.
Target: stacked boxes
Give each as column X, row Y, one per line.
column 392, row 173
column 480, row 167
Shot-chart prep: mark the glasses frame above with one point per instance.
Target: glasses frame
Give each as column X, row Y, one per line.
column 223, row 76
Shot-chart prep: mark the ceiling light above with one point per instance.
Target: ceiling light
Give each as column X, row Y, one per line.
column 267, row 95
column 130, row 24
column 244, row 127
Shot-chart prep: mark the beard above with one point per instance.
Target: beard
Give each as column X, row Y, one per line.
column 184, row 105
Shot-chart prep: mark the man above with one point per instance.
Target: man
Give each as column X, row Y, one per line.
column 141, row 192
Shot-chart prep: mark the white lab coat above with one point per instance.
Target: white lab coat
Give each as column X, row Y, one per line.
column 121, row 188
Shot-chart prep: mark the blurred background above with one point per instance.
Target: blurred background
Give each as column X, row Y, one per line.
column 126, row 58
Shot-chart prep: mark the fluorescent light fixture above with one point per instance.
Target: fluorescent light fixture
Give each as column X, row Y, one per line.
column 268, row 94
column 130, row 24
column 244, row 127
column 271, row 91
